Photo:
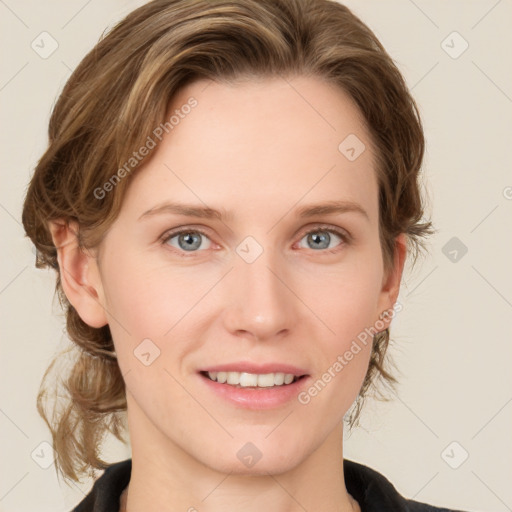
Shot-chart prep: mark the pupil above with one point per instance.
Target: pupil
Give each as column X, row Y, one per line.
column 189, row 239
column 317, row 238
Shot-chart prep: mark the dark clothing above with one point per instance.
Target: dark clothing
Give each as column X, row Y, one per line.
column 370, row 489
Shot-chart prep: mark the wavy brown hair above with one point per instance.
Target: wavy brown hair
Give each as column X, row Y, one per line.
column 121, row 91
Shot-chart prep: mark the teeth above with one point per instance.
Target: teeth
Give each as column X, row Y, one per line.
column 246, row 380
column 288, row 378
column 279, row 379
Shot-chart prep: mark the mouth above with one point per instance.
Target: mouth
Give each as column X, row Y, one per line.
column 251, row 386
column 253, row 380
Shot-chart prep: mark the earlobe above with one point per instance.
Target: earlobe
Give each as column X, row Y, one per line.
column 78, row 272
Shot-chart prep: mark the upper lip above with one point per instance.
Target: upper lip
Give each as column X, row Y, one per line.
column 247, row 367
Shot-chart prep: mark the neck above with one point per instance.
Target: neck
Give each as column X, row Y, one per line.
column 124, row 498
column 171, row 480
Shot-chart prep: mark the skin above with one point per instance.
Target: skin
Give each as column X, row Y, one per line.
column 260, row 150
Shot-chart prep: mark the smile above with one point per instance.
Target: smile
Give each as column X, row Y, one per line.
column 252, row 380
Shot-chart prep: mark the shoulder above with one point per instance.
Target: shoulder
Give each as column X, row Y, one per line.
column 375, row 493
column 416, row 506
column 106, row 491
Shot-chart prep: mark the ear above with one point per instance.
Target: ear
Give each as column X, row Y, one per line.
column 391, row 281
column 79, row 274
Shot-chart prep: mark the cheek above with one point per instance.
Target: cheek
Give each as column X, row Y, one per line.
column 153, row 311
column 347, row 300
column 144, row 301
column 347, row 307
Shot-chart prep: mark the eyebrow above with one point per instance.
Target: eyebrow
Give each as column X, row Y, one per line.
column 204, row 212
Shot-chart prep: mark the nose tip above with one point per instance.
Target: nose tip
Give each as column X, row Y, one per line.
column 261, row 301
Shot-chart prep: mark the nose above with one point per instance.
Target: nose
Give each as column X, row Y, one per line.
column 261, row 303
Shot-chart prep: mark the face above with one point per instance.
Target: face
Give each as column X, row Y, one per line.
column 262, row 289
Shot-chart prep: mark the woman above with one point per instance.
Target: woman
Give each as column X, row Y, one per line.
column 229, row 195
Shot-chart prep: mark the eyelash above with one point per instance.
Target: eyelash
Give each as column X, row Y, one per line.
column 346, row 238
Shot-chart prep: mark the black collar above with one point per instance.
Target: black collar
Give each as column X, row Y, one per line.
column 370, row 489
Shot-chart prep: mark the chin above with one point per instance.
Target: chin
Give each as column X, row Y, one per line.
column 255, row 458
column 260, row 468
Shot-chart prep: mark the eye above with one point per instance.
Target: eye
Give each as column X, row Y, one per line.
column 191, row 239
column 320, row 238
column 188, row 240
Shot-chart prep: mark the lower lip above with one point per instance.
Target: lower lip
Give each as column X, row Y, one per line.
column 257, row 398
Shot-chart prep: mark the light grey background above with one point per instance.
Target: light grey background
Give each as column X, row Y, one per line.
column 452, row 341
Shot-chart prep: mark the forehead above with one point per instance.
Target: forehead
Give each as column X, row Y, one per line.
column 254, row 144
